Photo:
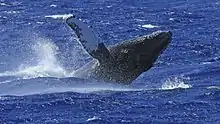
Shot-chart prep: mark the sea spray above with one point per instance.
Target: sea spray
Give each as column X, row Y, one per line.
column 42, row 62
column 174, row 83
column 47, row 64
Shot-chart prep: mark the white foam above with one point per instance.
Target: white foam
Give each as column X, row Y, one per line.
column 12, row 12
column 53, row 5
column 214, row 87
column 2, row 63
column 6, row 81
column 174, row 83
column 109, row 6
column 93, row 118
column 171, row 19
column 139, row 20
column 98, row 88
column 149, row 26
column 206, row 63
column 3, row 98
column 62, row 16
column 3, row 4
column 40, row 23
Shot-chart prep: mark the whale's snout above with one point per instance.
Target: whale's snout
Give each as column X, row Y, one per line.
column 160, row 36
column 157, row 41
column 167, row 35
column 152, row 46
column 170, row 33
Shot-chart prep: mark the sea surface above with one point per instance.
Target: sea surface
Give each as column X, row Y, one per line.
column 39, row 54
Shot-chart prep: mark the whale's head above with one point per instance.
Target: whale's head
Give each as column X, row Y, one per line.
column 138, row 55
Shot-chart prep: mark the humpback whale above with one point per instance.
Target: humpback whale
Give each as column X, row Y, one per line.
column 120, row 63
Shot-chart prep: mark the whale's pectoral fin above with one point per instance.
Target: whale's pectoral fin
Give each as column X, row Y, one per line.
column 88, row 39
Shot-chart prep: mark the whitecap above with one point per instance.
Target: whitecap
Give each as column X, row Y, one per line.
column 139, row 20
column 6, row 81
column 171, row 19
column 109, row 6
column 3, row 98
column 149, row 26
column 206, row 63
column 53, row 5
column 93, row 118
column 63, row 16
column 3, row 4
column 12, row 12
column 40, row 23
column 214, row 87
column 2, row 63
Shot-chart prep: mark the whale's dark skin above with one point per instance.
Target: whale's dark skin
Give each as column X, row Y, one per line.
column 124, row 62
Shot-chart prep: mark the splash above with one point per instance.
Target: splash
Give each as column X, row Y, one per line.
column 43, row 73
column 47, row 63
column 174, row 83
column 45, row 57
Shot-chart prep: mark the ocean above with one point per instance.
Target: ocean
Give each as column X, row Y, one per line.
column 39, row 54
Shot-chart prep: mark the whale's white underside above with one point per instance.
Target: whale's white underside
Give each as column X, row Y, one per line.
column 85, row 34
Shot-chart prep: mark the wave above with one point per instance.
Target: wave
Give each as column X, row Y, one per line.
column 214, row 87
column 212, row 60
column 45, row 85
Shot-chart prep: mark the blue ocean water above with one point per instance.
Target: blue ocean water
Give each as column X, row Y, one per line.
column 39, row 53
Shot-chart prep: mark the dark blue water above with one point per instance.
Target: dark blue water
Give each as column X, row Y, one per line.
column 39, row 53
